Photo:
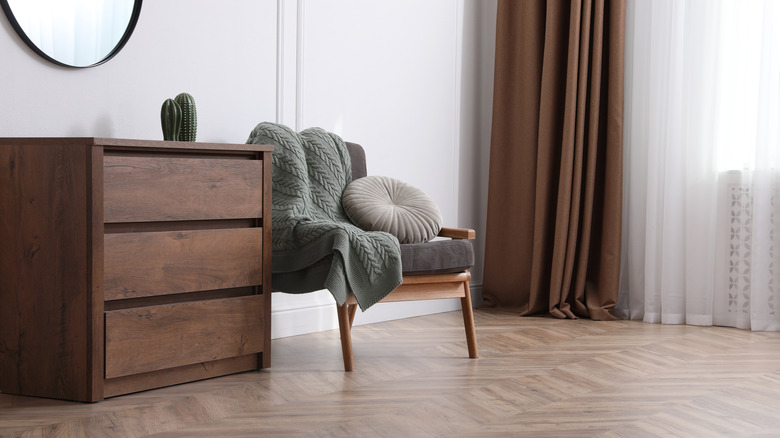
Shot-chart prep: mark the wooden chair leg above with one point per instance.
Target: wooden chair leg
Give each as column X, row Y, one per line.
column 468, row 321
column 352, row 312
column 345, row 328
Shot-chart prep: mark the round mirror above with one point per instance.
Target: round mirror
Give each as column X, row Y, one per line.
column 74, row 33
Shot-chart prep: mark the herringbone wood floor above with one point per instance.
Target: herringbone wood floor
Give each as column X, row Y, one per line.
column 536, row 377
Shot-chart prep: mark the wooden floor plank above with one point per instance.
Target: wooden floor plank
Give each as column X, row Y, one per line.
column 535, row 377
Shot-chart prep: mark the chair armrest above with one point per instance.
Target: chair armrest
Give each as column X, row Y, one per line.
column 458, row 233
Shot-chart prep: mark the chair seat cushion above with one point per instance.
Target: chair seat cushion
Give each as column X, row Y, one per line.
column 380, row 203
column 437, row 257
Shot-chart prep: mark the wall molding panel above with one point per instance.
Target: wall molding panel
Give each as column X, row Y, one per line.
column 344, row 66
column 288, row 65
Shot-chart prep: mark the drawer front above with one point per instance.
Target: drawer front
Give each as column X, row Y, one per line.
column 145, row 189
column 153, row 338
column 160, row 263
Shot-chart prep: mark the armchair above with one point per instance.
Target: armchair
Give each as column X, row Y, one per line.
column 431, row 270
column 318, row 244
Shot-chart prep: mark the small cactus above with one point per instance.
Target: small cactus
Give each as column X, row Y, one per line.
column 189, row 117
column 171, row 116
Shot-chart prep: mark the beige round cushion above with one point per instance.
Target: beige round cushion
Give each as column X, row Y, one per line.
column 379, row 203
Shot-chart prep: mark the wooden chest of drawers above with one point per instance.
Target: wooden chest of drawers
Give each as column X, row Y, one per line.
column 127, row 265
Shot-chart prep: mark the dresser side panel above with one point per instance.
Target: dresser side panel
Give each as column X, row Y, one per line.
column 44, row 334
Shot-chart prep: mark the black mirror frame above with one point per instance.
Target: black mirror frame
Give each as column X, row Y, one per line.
column 122, row 41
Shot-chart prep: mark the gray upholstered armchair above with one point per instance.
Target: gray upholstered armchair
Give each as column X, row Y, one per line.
column 431, row 270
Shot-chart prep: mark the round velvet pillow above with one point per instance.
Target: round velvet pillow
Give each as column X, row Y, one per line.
column 379, row 203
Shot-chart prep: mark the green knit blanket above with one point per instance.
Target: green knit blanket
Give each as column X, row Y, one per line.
column 314, row 243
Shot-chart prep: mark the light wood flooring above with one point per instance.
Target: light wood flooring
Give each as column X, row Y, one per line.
column 536, row 377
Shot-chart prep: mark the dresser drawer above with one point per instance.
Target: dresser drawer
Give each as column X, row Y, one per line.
column 160, row 263
column 182, row 334
column 144, row 189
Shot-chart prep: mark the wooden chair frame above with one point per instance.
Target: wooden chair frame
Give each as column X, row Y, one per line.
column 419, row 287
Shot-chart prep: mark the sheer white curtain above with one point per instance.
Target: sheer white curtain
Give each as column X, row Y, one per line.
column 702, row 155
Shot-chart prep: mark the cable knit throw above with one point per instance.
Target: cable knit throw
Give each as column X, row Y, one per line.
column 314, row 243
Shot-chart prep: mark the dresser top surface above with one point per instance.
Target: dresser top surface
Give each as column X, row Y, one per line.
column 119, row 143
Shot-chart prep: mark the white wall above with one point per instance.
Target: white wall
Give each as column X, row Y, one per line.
column 406, row 79
column 223, row 53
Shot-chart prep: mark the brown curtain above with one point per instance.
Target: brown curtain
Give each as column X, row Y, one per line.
column 554, row 201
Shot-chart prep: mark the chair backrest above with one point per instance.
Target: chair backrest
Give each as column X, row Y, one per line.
column 358, row 157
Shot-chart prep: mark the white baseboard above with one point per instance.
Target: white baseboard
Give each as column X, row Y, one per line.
column 294, row 315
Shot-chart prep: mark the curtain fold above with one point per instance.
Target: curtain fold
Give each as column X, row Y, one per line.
column 702, row 186
column 554, row 197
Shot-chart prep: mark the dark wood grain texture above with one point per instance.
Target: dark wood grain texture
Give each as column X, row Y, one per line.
column 95, row 302
column 44, row 287
column 145, row 189
column 195, row 270
column 158, row 263
column 267, row 225
column 132, row 146
column 181, row 374
column 145, row 227
column 153, row 338
column 181, row 147
column 159, row 300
